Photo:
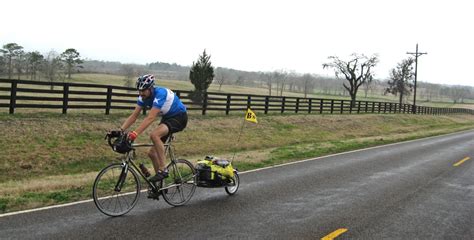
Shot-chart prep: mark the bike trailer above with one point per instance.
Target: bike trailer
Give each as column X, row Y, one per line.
column 214, row 172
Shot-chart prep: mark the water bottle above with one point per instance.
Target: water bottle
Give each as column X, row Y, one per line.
column 144, row 170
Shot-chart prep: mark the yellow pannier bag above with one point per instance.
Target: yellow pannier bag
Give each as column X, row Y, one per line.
column 218, row 166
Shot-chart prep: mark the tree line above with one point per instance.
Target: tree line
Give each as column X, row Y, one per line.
column 352, row 75
column 16, row 62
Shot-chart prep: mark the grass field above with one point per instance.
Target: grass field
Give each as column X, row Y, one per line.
column 50, row 158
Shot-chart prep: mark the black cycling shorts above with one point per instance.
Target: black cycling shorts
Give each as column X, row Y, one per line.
column 175, row 123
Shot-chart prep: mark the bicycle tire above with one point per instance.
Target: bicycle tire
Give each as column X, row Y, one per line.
column 231, row 190
column 114, row 202
column 179, row 186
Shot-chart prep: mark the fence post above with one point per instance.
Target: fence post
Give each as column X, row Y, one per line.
column 65, row 97
column 321, row 105
column 358, row 108
column 266, row 104
column 373, row 107
column 310, row 105
column 366, row 106
column 297, row 105
column 249, row 101
column 204, row 104
column 342, row 106
column 13, row 97
column 227, row 107
column 283, row 100
column 108, row 103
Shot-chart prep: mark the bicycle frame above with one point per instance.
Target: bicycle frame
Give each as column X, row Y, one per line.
column 128, row 161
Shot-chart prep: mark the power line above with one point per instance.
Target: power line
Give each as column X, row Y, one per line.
column 416, row 54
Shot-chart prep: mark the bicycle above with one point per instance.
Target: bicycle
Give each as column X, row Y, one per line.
column 117, row 187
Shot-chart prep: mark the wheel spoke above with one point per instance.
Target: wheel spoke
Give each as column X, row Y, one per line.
column 178, row 193
column 111, row 202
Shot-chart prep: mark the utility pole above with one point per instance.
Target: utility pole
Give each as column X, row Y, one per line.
column 416, row 54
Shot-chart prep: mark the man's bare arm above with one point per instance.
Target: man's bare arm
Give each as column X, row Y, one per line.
column 132, row 118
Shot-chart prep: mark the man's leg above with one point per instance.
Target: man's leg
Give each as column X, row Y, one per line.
column 158, row 155
column 153, row 155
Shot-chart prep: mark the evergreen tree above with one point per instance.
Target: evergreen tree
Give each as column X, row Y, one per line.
column 201, row 76
column 401, row 77
column 72, row 58
column 10, row 52
column 35, row 59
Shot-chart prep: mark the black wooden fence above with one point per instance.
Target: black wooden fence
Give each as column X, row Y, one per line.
column 16, row 94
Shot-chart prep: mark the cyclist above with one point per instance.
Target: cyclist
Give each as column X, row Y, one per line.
column 163, row 102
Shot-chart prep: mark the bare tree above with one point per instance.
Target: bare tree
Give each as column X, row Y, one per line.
column 457, row 93
column 20, row 63
column 53, row 68
column 356, row 71
column 240, row 80
column 129, row 71
column 279, row 77
column 292, row 80
column 400, row 82
column 369, row 86
column 268, row 79
column 308, row 83
column 220, row 77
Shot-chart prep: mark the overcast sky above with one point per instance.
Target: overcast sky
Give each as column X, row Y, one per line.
column 252, row 35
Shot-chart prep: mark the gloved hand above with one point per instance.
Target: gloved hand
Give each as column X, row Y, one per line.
column 115, row 133
column 132, row 135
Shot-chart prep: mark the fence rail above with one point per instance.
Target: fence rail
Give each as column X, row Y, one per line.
column 15, row 94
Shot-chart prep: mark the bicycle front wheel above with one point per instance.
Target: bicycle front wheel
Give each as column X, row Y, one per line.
column 180, row 185
column 116, row 189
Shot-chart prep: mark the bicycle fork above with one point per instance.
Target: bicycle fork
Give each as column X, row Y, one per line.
column 123, row 176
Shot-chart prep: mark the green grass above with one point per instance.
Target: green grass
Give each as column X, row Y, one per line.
column 37, row 199
column 49, row 158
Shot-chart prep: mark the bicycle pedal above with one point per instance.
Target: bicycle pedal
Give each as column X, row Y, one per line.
column 153, row 195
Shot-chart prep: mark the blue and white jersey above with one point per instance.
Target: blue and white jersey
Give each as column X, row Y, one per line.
column 165, row 100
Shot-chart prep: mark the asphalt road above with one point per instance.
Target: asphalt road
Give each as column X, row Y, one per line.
column 410, row 190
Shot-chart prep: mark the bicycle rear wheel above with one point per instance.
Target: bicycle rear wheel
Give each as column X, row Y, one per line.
column 116, row 189
column 234, row 185
column 179, row 186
